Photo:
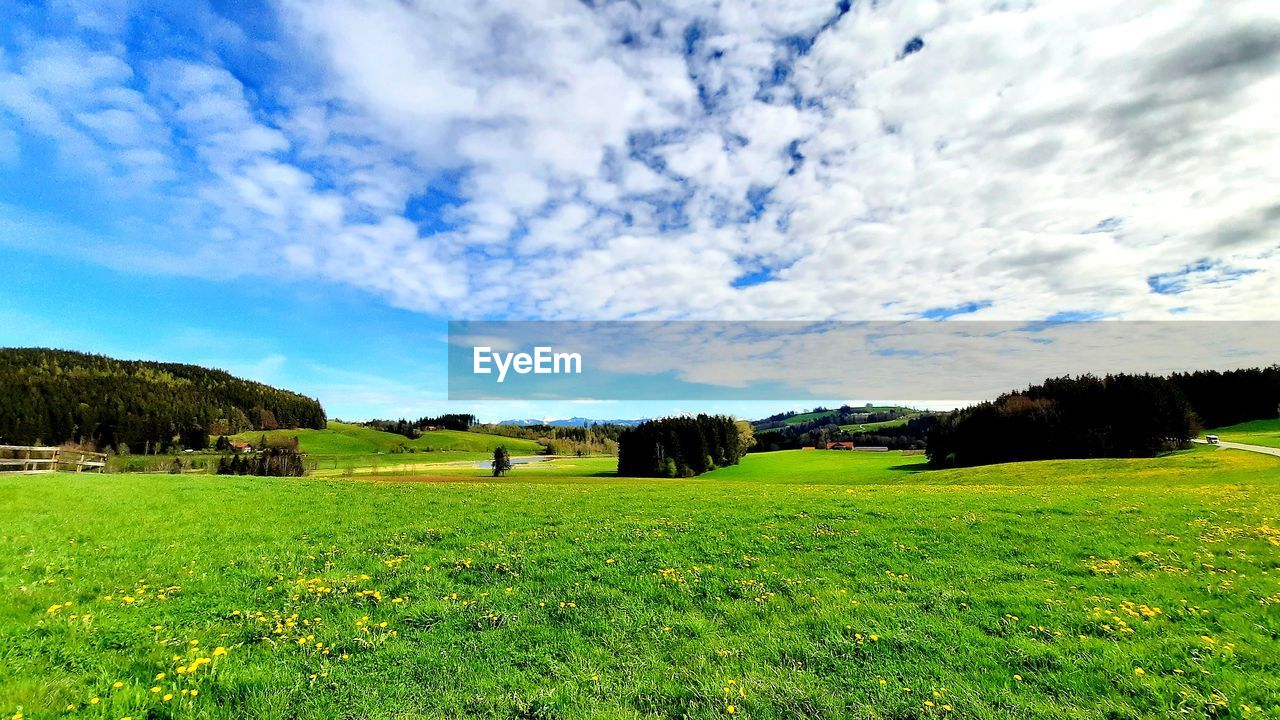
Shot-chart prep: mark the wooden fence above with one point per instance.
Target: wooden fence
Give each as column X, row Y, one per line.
column 31, row 459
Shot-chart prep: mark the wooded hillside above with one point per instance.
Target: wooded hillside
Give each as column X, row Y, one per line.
column 55, row 396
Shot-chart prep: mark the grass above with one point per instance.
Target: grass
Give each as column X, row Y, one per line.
column 1256, row 432
column 342, row 446
column 797, row 584
column 345, row 448
column 872, row 426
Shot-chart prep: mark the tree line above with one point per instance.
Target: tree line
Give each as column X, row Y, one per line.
column 54, row 396
column 414, row 428
column 1112, row 416
column 593, row 439
column 682, row 446
column 270, row 462
column 817, row 433
column 1234, row 396
column 1081, row 417
column 843, row 415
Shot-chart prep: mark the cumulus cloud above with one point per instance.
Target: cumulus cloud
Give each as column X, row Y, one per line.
column 709, row 160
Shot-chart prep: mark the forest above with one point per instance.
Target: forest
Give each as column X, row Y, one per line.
column 48, row 397
column 681, row 446
column 593, row 439
column 415, row 428
column 1234, row 396
column 1081, row 417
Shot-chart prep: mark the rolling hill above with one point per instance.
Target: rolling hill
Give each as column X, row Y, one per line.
column 52, row 396
column 1255, row 432
column 345, row 445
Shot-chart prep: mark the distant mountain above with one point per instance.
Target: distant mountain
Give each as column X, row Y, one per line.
column 570, row 422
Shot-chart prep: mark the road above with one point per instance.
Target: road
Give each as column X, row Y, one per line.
column 1241, row 446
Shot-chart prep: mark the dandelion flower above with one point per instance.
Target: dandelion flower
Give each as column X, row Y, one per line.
column 167, row 697
column 220, row 651
column 117, row 685
column 156, row 690
column 95, row 700
column 1017, row 677
column 1139, row 671
column 731, row 709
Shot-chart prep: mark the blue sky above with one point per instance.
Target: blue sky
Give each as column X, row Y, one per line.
column 306, row 192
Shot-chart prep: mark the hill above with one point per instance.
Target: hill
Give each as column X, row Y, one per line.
column 1255, row 432
column 53, row 396
column 567, row 422
column 843, row 415
column 894, row 426
column 343, row 445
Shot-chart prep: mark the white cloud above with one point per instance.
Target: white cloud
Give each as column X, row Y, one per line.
column 628, row 160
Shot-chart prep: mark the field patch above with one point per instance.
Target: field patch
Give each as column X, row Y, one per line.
column 1256, row 432
column 348, row 448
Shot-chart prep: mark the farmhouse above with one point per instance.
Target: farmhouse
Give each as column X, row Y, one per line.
column 240, row 446
column 840, row 445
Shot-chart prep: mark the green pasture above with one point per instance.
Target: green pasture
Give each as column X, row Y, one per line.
column 795, row 585
column 1257, row 432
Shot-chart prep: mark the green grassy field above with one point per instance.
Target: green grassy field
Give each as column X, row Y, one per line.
column 1257, row 432
column 345, row 448
column 797, row 584
column 869, row 427
column 342, row 445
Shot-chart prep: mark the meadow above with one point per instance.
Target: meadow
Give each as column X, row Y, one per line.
column 347, row 448
column 796, row 584
column 1256, row 432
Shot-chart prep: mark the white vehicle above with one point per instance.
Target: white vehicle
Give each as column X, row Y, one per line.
column 1213, row 439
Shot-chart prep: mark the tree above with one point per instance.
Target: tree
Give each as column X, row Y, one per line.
column 746, row 435
column 195, row 438
column 501, row 461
